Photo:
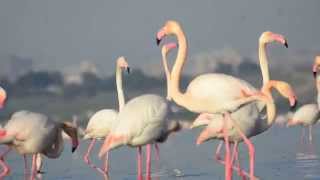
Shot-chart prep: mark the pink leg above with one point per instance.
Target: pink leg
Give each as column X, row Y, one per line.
column 87, row 160
column 106, row 163
column 26, row 169
column 228, row 167
column 235, row 157
column 310, row 134
column 6, row 168
column 139, row 158
column 250, row 147
column 148, row 163
column 33, row 168
column 157, row 156
column 219, row 160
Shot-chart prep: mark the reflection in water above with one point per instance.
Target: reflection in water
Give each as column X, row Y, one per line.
column 308, row 163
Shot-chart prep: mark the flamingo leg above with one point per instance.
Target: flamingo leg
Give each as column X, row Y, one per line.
column 228, row 166
column 157, row 156
column 6, row 168
column 25, row 166
column 303, row 132
column 248, row 143
column 106, row 163
column 139, row 159
column 235, row 157
column 219, row 160
column 33, row 168
column 148, row 163
column 310, row 134
column 88, row 161
column 39, row 165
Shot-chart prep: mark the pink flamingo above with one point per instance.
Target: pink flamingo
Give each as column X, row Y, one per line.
column 247, row 118
column 203, row 94
column 148, row 124
column 34, row 133
column 101, row 123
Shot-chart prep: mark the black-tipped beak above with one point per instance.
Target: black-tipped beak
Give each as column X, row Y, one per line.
column 314, row 74
column 286, row 44
column 73, row 149
column 294, row 106
column 158, row 41
column 128, row 70
column 40, row 172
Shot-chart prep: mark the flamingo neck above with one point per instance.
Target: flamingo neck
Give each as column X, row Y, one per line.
column 167, row 73
column 271, row 107
column 175, row 91
column 120, row 93
column 263, row 60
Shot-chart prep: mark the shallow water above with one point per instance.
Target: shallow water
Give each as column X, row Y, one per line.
column 279, row 155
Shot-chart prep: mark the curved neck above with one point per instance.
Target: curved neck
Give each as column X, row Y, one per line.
column 175, row 91
column 120, row 93
column 271, row 107
column 167, row 73
column 263, row 59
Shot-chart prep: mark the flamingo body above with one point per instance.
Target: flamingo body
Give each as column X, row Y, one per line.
column 100, row 124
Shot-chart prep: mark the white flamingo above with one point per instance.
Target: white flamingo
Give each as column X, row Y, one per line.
column 101, row 123
column 144, row 121
column 203, row 94
column 308, row 114
column 34, row 133
column 248, row 118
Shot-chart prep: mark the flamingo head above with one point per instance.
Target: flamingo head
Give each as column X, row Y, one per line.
column 123, row 64
column 3, row 97
column 71, row 131
column 168, row 47
column 268, row 37
column 169, row 28
column 316, row 65
column 286, row 91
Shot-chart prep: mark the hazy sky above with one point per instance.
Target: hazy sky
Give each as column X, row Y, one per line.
column 59, row 33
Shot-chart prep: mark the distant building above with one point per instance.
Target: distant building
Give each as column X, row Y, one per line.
column 73, row 75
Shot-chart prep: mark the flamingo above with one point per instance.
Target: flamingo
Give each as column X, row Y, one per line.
column 34, row 133
column 101, row 123
column 315, row 69
column 3, row 97
column 247, row 118
column 203, row 95
column 306, row 115
column 148, row 123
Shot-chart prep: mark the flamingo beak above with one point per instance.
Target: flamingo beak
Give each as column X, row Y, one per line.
column 128, row 70
column 159, row 37
column 293, row 103
column 285, row 43
column 314, row 70
column 75, row 144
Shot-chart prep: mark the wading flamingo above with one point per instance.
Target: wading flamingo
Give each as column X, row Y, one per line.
column 203, row 94
column 247, row 118
column 309, row 114
column 34, row 133
column 148, row 123
column 101, row 123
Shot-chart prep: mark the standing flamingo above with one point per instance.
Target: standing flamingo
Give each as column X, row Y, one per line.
column 101, row 123
column 306, row 115
column 247, row 118
column 148, row 123
column 34, row 133
column 203, row 94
